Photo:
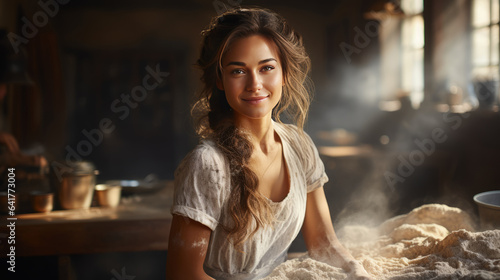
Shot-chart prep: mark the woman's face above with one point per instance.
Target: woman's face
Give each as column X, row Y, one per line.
column 252, row 77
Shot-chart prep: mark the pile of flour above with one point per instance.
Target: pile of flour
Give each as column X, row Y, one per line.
column 431, row 242
column 306, row 268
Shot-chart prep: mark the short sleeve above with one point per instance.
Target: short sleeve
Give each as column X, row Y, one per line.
column 314, row 168
column 200, row 185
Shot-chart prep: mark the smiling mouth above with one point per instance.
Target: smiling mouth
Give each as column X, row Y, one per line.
column 255, row 99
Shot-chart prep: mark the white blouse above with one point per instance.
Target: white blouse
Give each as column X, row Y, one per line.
column 202, row 187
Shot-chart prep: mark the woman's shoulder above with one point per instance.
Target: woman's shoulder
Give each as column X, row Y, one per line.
column 292, row 134
column 298, row 140
column 287, row 130
column 206, row 147
column 206, row 155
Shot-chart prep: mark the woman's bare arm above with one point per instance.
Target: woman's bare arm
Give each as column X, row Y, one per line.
column 320, row 237
column 187, row 248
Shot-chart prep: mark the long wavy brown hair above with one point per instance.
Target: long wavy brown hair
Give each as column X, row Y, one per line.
column 214, row 118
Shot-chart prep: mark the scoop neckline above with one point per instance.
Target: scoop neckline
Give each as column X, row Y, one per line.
column 284, row 146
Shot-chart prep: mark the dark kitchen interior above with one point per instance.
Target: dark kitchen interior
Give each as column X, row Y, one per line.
column 405, row 112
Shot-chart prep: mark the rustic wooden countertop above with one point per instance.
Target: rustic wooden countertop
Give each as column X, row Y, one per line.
column 139, row 223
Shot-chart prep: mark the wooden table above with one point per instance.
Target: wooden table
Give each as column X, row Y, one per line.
column 139, row 223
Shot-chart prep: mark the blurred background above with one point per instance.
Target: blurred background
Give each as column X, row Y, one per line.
column 405, row 109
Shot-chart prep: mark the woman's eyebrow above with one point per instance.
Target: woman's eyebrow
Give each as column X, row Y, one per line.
column 238, row 63
column 267, row 60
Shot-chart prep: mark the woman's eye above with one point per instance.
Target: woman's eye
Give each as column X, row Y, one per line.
column 267, row 68
column 237, row 71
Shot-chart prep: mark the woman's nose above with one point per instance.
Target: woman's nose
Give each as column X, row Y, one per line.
column 254, row 82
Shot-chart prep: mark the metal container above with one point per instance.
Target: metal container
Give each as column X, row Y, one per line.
column 108, row 195
column 42, row 202
column 76, row 186
column 489, row 209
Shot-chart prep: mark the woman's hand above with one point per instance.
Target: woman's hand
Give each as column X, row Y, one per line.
column 358, row 272
column 321, row 240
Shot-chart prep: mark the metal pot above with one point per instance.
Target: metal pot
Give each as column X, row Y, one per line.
column 75, row 187
column 489, row 209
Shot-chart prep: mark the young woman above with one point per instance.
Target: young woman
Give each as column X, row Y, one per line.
column 244, row 193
